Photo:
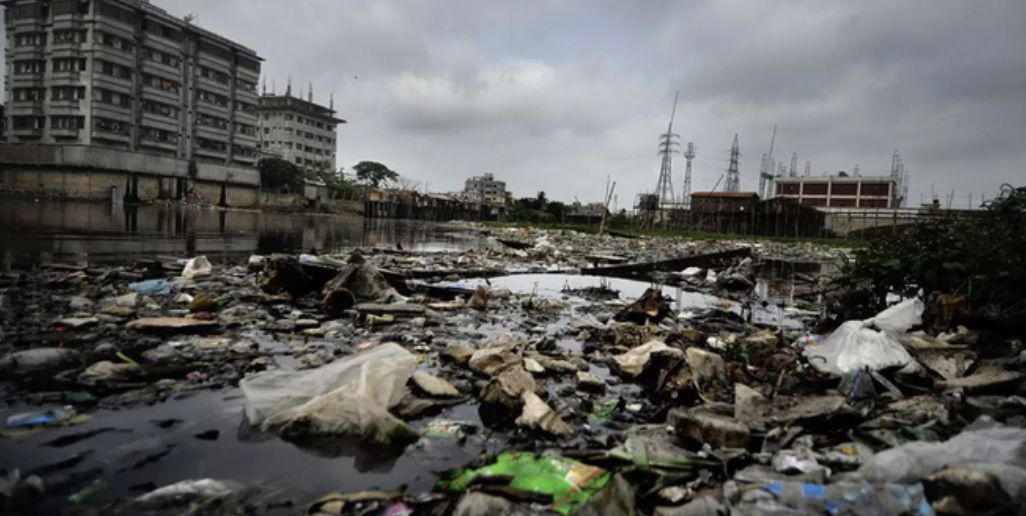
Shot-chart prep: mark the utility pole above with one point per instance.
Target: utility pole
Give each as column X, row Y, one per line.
column 733, row 173
column 667, row 141
column 689, row 155
column 794, row 165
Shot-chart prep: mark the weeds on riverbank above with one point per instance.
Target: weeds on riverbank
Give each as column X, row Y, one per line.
column 971, row 269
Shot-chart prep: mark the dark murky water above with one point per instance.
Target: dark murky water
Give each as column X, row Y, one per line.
column 34, row 232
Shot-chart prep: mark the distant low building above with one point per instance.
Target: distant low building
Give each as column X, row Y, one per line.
column 485, row 189
column 588, row 213
column 838, row 191
column 723, row 202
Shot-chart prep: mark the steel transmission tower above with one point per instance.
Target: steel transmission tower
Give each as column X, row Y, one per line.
column 766, row 170
column 689, row 155
column 667, row 141
column 900, row 178
column 808, row 168
column 733, row 172
column 794, row 165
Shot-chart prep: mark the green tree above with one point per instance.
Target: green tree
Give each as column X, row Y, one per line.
column 374, row 174
column 557, row 210
column 279, row 174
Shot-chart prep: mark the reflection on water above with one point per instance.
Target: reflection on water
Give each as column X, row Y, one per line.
column 88, row 232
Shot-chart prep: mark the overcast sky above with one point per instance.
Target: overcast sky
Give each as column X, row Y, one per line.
column 556, row 95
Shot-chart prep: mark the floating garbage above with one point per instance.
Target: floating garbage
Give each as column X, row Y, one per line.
column 349, row 397
column 566, row 484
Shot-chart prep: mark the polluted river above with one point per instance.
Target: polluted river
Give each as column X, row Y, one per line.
column 202, row 361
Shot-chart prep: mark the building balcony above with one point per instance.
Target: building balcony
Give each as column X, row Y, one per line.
column 114, row 112
column 158, row 144
column 161, row 43
column 159, row 121
column 161, row 70
column 246, row 95
column 64, row 132
column 214, row 86
column 210, row 154
column 211, row 132
column 65, row 106
column 110, row 136
column 114, row 55
column 205, row 59
column 66, row 78
column 27, row 132
column 246, row 118
column 25, row 107
column 212, row 109
column 161, row 95
column 35, row 80
column 115, row 26
column 33, row 52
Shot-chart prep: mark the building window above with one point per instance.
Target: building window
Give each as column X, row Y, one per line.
column 214, row 75
column 28, row 94
column 107, row 125
column 113, row 98
column 243, row 151
column 245, row 85
column 159, row 135
column 249, row 130
column 30, row 39
column 245, row 107
column 69, row 64
column 212, row 98
column 211, row 121
column 68, row 36
column 27, row 122
column 161, row 83
column 27, row 11
column 67, row 92
column 30, row 67
column 112, row 41
column 114, row 70
column 213, row 145
column 70, row 7
column 163, row 58
column 160, row 29
column 67, row 122
column 159, row 108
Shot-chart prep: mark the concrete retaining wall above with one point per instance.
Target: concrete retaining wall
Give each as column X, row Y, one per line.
column 88, row 157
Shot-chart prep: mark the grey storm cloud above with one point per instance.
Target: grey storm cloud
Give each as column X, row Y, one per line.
column 557, row 95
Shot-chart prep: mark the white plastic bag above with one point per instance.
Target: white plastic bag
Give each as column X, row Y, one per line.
column 348, row 397
column 985, row 446
column 856, row 345
column 197, row 267
column 899, row 318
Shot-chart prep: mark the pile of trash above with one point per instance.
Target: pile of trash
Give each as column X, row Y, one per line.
column 500, row 400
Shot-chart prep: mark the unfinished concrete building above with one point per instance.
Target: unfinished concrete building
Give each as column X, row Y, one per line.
column 298, row 130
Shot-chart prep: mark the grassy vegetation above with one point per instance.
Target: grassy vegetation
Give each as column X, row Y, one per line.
column 692, row 235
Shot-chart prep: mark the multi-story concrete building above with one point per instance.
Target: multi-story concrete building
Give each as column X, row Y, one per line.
column 486, row 189
column 838, row 191
column 298, row 130
column 126, row 75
